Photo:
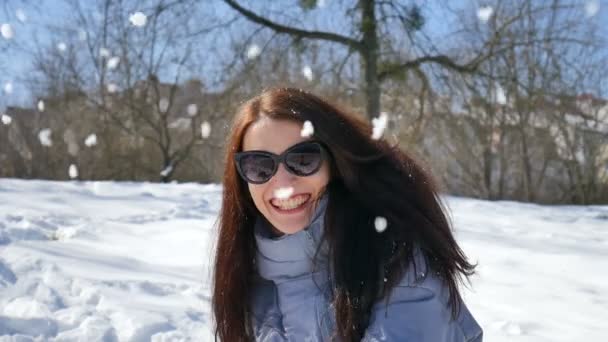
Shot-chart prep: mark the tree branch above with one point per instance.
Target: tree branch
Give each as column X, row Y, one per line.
column 333, row 37
column 442, row 60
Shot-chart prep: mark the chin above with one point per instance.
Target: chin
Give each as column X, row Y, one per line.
column 291, row 229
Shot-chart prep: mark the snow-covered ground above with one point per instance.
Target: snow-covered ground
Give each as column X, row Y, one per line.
column 110, row 261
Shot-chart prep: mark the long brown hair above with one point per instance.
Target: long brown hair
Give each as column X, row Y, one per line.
column 370, row 178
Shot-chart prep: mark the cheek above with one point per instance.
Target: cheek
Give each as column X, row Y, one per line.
column 257, row 194
column 321, row 178
column 325, row 172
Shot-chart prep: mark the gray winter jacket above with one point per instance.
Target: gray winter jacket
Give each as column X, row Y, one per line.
column 292, row 300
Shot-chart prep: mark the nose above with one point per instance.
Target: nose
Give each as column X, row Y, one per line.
column 283, row 177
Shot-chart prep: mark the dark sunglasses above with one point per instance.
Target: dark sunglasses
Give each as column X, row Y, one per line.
column 302, row 159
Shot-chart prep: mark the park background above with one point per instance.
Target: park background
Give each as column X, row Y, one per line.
column 114, row 114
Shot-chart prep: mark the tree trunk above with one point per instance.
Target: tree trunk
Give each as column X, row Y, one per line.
column 528, row 186
column 370, row 58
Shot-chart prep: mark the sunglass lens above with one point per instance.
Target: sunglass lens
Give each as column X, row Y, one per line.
column 257, row 168
column 304, row 160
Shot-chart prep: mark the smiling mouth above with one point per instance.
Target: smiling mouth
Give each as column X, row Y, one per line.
column 290, row 204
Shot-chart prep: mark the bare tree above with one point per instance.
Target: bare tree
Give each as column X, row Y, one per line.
column 498, row 130
column 376, row 26
column 121, row 54
column 580, row 131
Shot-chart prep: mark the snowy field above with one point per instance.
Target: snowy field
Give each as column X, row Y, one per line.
column 109, row 261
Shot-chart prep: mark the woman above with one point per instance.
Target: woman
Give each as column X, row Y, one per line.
column 331, row 235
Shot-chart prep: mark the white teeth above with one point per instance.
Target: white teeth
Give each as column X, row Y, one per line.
column 291, row 203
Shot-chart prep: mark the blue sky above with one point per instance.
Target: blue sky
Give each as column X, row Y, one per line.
column 45, row 15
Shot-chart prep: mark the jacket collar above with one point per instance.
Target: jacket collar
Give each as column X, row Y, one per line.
column 291, row 255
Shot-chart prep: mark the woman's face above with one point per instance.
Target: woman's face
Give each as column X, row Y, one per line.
column 276, row 136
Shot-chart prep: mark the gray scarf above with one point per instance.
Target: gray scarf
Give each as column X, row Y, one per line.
column 291, row 255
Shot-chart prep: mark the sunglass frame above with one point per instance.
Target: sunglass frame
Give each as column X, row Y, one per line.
column 279, row 158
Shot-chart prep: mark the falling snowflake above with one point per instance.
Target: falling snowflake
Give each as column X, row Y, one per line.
column 138, row 19
column 205, row 129
column 484, row 13
column 253, row 51
column 8, row 87
column 284, row 192
column 45, row 137
column 321, row 4
column 112, row 88
column 380, row 224
column 113, row 63
column 307, row 72
column 103, row 52
column 163, row 105
column 307, row 129
column 73, row 171
column 592, row 7
column 41, row 106
column 91, row 140
column 580, row 156
column 6, row 119
column 166, row 171
column 7, row 31
column 62, row 47
column 82, row 35
column 20, row 14
column 379, row 125
column 181, row 124
column 192, row 109
column 553, row 130
column 501, row 97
